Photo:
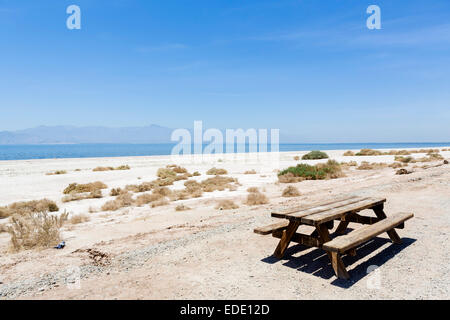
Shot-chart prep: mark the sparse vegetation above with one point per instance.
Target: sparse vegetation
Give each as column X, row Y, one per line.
column 57, row 172
column 253, row 189
column 329, row 170
column 79, row 218
column 216, row 172
column 368, row 152
column 291, row 191
column 349, row 153
column 296, row 158
column 143, row 187
column 371, row 166
column 123, row 167
column 35, row 230
column 226, row 205
column 403, row 159
column 196, row 174
column 26, row 207
column 84, row 188
column 116, row 191
column 159, row 203
column 256, row 198
column 122, row 200
column 217, row 183
column 97, row 194
column 315, row 155
column 182, row 207
column 147, row 198
column 252, row 171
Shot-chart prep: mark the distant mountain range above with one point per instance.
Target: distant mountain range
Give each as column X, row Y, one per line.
column 75, row 135
column 70, row 134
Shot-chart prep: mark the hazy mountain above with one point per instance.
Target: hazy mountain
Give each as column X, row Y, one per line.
column 72, row 135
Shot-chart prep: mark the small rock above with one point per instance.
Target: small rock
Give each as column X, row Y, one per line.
column 403, row 171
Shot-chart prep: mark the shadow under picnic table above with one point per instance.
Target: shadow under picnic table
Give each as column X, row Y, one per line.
column 316, row 262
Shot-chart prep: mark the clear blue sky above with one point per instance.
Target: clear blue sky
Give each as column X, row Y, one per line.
column 310, row 67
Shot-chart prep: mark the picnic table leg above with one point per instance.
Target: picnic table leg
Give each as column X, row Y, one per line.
column 338, row 266
column 382, row 215
column 286, row 238
column 335, row 258
column 342, row 227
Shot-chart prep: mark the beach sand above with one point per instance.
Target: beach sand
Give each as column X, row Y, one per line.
column 207, row 253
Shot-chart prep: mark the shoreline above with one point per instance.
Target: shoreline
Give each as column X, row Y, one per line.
column 218, row 155
column 95, row 151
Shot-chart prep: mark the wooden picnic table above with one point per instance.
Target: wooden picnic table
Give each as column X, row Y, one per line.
column 321, row 216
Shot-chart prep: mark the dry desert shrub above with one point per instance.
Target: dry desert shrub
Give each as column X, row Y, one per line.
column 116, row 191
column 397, row 165
column 349, row 153
column 290, row 191
column 349, row 164
column 289, row 177
column 252, row 171
column 398, row 153
column 147, row 198
column 196, row 174
column 159, row 203
column 164, row 191
column 164, row 182
column 57, row 172
column 35, row 230
column 143, row 187
column 296, row 158
column 180, row 195
column 165, row 173
column 122, row 200
column 3, row 228
column 82, row 196
column 84, row 188
column 182, row 207
column 256, row 198
column 79, row 218
column 226, row 205
column 403, row 159
column 217, row 183
column 216, row 171
column 25, row 207
column 253, row 189
column 371, row 166
column 368, row 152
column 123, row 167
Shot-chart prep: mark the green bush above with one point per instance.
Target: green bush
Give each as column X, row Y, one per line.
column 314, row 155
column 329, row 170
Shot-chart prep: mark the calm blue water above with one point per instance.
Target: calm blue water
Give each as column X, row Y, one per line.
column 23, row 152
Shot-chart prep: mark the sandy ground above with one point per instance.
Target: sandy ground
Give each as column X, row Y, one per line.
column 206, row 253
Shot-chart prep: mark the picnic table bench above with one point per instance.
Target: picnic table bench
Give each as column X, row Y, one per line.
column 321, row 216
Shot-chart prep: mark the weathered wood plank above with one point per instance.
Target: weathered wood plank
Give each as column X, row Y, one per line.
column 338, row 266
column 318, row 209
column 300, row 238
column 332, row 214
column 379, row 212
column 285, row 212
column 264, row 230
column 286, row 238
column 356, row 218
column 361, row 235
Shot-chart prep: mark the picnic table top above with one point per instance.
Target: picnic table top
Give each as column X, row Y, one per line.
column 320, row 213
